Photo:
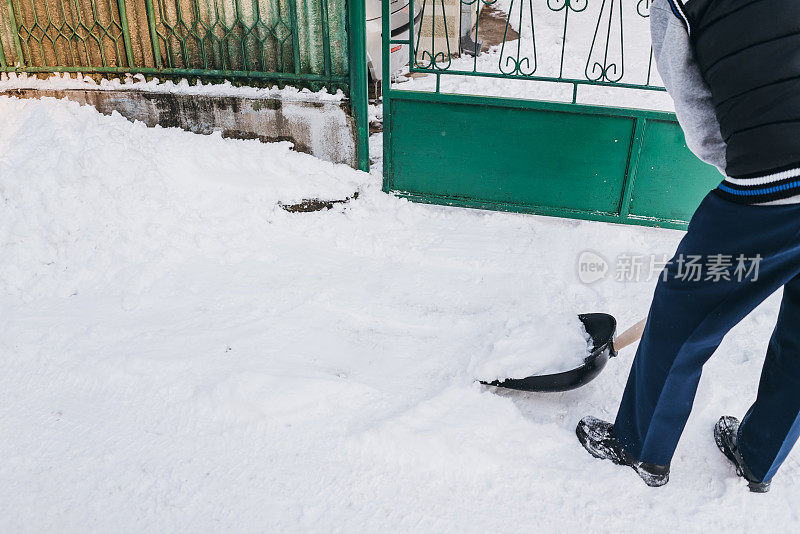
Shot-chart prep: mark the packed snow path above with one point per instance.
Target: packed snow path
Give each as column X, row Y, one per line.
column 180, row 354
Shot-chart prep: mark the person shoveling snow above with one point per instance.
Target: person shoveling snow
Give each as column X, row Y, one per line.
column 733, row 69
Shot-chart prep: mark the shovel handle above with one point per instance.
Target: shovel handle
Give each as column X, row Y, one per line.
column 631, row 335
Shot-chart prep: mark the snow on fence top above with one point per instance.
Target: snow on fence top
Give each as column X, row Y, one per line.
column 63, row 81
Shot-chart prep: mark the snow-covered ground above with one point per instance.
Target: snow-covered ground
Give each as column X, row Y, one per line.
column 180, row 354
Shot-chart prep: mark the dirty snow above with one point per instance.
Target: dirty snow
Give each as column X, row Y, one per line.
column 180, row 354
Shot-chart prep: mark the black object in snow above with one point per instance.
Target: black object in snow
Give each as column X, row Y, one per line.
column 601, row 327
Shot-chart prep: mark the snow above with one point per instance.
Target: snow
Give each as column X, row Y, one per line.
column 543, row 343
column 137, row 82
column 180, row 354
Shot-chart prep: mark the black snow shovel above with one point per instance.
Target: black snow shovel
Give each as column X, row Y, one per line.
column 601, row 327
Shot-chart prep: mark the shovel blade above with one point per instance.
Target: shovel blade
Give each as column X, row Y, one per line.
column 601, row 328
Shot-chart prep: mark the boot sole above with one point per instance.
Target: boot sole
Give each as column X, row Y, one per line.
column 653, row 481
column 755, row 487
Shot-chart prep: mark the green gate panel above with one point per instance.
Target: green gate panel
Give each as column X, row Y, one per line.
column 670, row 181
column 534, row 159
column 588, row 162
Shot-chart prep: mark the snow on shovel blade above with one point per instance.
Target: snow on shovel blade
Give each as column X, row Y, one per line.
column 601, row 328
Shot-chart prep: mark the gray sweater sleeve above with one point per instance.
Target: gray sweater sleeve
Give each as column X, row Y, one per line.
column 685, row 84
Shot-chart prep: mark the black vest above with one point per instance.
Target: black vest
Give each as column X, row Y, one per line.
column 749, row 54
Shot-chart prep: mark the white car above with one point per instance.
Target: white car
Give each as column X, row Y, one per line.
column 399, row 26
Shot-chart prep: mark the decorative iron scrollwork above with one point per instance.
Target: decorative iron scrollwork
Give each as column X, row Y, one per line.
column 601, row 65
column 431, row 59
column 522, row 63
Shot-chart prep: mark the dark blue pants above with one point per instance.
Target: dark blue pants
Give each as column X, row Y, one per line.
column 689, row 317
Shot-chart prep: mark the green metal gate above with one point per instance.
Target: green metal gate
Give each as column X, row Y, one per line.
column 307, row 43
column 547, row 121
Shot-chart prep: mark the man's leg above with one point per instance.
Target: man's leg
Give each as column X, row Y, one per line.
column 689, row 317
column 772, row 424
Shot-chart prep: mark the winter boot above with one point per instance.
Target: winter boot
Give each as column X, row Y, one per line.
column 725, row 434
column 595, row 436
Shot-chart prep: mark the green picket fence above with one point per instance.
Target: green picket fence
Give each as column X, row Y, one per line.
column 292, row 40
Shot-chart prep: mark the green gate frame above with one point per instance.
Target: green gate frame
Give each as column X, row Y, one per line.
column 579, row 161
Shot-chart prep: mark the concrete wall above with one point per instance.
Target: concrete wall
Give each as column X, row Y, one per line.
column 323, row 129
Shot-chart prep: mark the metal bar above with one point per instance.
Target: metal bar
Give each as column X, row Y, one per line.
column 126, row 36
column 412, row 58
column 608, row 39
column 564, row 38
column 429, row 198
column 97, row 40
column 237, row 19
column 357, row 14
column 78, row 24
column 295, row 37
column 433, row 35
column 279, row 46
column 71, row 49
column 386, row 83
column 151, row 24
column 539, row 79
column 475, row 50
column 396, row 94
column 326, row 38
column 410, row 41
column 2, row 56
column 50, row 24
column 633, row 165
column 12, row 22
column 201, row 46
column 223, row 26
column 307, row 36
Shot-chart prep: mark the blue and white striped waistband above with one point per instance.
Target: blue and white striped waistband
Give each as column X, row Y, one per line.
column 770, row 189
column 766, row 179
